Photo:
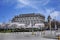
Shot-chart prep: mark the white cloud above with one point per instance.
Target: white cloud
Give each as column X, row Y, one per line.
column 25, row 3
column 20, row 5
column 52, row 12
column 33, row 3
column 55, row 14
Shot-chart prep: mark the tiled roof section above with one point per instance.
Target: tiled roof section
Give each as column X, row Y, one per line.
column 30, row 15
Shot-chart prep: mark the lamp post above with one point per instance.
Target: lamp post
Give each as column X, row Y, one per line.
column 49, row 23
column 55, row 26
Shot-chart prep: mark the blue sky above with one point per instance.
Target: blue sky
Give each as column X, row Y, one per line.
column 10, row 8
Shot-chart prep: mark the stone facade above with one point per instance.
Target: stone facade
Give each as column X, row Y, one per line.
column 29, row 19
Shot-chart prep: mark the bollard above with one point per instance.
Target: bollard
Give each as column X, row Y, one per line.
column 43, row 33
column 58, row 37
column 32, row 33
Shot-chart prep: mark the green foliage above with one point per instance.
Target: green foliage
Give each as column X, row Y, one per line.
column 19, row 30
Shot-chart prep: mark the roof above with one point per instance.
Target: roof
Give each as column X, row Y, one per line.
column 30, row 15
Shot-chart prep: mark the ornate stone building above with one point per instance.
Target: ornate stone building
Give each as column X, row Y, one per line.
column 29, row 19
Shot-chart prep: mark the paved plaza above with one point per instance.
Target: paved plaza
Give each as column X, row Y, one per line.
column 23, row 36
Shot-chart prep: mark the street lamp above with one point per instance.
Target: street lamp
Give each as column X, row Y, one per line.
column 55, row 26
